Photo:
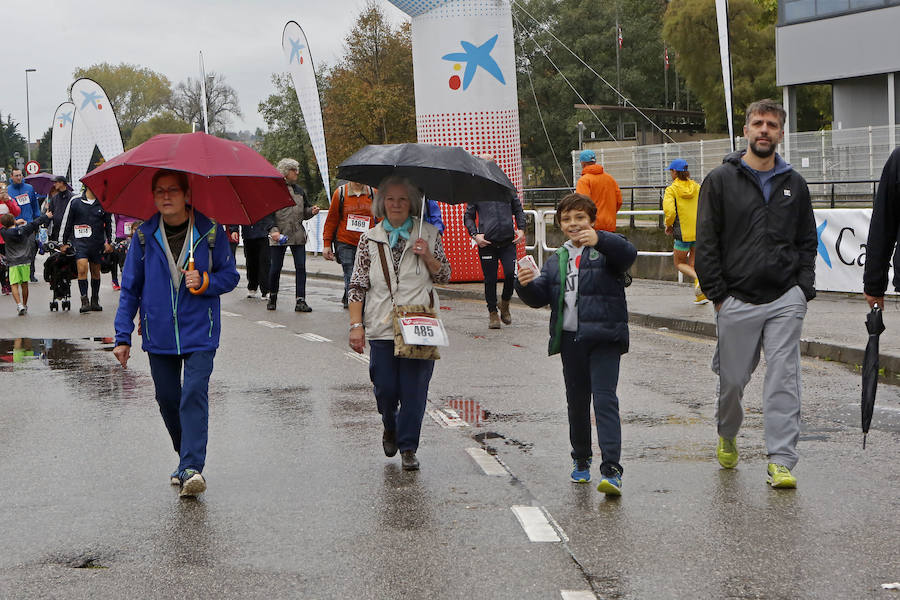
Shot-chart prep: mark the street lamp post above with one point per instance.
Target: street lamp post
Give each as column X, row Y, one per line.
column 28, row 114
column 580, row 135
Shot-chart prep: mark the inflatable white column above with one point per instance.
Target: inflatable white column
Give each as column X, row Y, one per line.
column 465, row 79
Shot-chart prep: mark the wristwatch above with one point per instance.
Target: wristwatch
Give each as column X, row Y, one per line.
column 355, row 326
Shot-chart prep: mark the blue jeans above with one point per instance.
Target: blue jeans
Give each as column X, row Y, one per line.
column 184, row 406
column 401, row 389
column 298, row 251
column 346, row 255
column 592, row 369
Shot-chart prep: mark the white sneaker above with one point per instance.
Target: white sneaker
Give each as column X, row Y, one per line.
column 254, row 294
column 21, row 309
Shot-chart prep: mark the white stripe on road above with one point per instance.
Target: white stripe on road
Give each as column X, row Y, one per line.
column 488, row 462
column 577, row 595
column 225, row 313
column 358, row 357
column 270, row 324
column 312, row 337
column 446, row 417
column 535, row 523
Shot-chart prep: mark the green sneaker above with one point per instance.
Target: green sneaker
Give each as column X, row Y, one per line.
column 727, row 452
column 779, row 476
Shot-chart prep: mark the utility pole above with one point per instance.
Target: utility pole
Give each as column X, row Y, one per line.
column 620, row 130
column 28, row 114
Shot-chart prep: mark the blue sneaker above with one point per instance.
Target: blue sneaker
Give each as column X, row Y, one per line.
column 174, row 478
column 192, row 483
column 581, row 470
column 611, row 484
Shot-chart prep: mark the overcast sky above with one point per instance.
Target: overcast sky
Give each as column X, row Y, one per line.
column 239, row 38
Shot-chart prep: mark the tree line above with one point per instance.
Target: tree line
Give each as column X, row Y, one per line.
column 367, row 95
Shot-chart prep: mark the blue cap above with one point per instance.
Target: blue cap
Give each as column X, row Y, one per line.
column 679, row 164
column 587, row 156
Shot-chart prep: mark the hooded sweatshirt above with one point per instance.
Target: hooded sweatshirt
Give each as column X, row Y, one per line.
column 604, row 191
column 680, row 207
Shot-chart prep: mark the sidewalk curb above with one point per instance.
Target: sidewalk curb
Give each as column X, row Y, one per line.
column 847, row 355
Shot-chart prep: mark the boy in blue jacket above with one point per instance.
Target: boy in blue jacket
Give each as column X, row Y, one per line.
column 180, row 318
column 584, row 284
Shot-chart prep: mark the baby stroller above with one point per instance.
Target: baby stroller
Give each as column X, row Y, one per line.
column 59, row 271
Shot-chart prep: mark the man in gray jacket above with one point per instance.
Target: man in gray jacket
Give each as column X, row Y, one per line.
column 756, row 252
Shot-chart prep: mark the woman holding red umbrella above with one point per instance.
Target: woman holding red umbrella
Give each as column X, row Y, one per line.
column 174, row 276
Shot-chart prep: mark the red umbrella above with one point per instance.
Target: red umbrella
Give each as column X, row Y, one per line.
column 230, row 182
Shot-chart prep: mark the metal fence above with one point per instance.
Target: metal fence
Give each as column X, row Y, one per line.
column 841, row 166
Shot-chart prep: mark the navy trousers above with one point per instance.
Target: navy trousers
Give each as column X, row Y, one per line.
column 298, row 251
column 591, row 369
column 184, row 406
column 401, row 389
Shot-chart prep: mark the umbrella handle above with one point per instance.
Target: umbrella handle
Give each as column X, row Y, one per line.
column 202, row 288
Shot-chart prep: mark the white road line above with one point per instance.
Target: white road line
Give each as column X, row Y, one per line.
column 312, row 337
column 446, row 417
column 577, row 595
column 357, row 357
column 488, row 463
column 534, row 522
column 270, row 324
column 225, row 313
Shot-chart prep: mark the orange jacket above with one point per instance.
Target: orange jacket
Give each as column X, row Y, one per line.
column 604, row 191
column 336, row 225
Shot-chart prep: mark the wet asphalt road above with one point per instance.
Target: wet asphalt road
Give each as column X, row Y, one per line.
column 303, row 504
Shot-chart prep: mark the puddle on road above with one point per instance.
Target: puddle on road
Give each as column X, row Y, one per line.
column 469, row 411
column 83, row 362
column 68, row 354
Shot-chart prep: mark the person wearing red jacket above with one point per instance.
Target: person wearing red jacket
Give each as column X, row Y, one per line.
column 7, row 206
column 601, row 188
column 348, row 217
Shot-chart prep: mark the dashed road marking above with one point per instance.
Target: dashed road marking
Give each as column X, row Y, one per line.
column 312, row 337
column 488, row 463
column 446, row 417
column 225, row 313
column 577, row 595
column 357, row 357
column 270, row 324
column 536, row 524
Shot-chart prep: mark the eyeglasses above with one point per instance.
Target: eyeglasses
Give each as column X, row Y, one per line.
column 161, row 192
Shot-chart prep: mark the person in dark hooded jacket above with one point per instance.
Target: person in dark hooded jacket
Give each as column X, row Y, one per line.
column 884, row 229
column 756, row 257
column 499, row 227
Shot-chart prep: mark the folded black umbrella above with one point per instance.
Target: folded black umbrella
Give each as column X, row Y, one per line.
column 875, row 327
column 447, row 174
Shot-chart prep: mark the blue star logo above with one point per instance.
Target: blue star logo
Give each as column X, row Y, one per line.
column 65, row 118
column 90, row 99
column 296, row 47
column 477, row 56
column 822, row 250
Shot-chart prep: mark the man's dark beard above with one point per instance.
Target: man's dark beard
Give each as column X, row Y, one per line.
column 763, row 153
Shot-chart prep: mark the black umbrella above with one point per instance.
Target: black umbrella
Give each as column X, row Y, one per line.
column 448, row 174
column 875, row 326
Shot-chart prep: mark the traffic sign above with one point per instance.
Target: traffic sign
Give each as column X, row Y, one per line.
column 32, row 167
column 20, row 162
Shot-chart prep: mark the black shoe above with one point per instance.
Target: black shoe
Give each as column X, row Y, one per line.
column 302, row 306
column 389, row 442
column 409, row 461
column 344, row 302
column 273, row 302
column 85, row 305
column 95, row 305
column 33, row 279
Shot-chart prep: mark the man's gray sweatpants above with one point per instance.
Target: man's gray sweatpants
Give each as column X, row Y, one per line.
column 744, row 329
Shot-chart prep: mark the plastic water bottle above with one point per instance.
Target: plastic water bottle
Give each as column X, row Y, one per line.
column 42, row 235
column 282, row 240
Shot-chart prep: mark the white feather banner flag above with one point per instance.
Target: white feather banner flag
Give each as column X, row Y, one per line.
column 725, row 55
column 300, row 64
column 61, row 138
column 82, row 149
column 91, row 101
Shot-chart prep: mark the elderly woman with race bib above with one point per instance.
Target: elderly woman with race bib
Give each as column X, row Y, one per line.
column 397, row 263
